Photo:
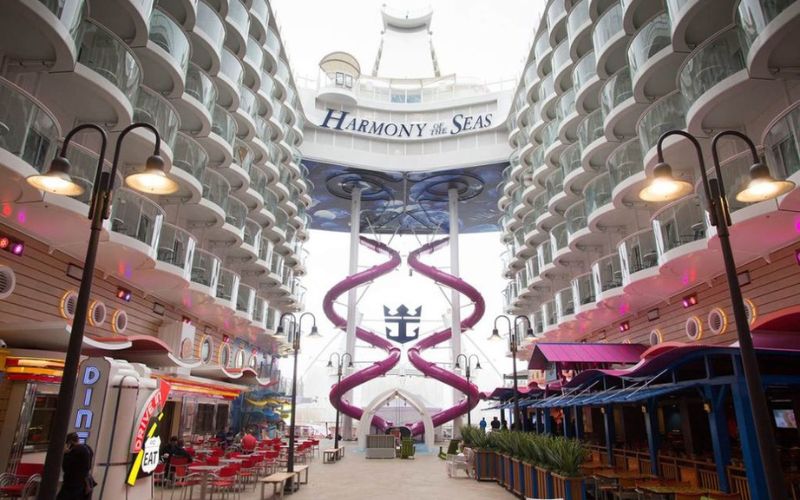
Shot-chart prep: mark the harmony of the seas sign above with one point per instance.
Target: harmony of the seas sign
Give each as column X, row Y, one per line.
column 458, row 124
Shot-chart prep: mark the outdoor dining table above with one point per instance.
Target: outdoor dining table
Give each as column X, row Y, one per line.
column 671, row 490
column 627, row 474
column 232, row 460
column 205, row 471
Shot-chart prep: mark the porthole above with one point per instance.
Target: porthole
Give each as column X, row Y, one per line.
column 8, row 281
column 751, row 311
column 68, row 304
column 717, row 321
column 97, row 313
column 119, row 321
column 239, row 359
column 186, row 348
column 694, row 328
column 224, row 355
column 656, row 337
column 253, row 362
column 205, row 349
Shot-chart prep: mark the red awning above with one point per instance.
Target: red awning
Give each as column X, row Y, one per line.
column 584, row 353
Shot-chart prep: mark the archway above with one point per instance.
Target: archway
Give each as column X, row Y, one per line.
column 380, row 400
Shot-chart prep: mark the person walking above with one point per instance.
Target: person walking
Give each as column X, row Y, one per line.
column 495, row 424
column 482, row 424
column 78, row 482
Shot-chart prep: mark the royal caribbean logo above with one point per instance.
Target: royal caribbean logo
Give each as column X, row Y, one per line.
column 402, row 318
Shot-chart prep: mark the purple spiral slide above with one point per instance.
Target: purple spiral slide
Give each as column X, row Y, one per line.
column 415, row 353
column 380, row 367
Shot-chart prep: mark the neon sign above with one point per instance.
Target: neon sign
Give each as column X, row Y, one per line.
column 89, row 399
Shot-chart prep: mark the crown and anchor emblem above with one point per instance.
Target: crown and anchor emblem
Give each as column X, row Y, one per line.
column 402, row 317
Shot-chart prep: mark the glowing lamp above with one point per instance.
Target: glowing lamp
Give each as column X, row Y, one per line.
column 124, row 294
column 763, row 186
column 689, row 301
column 664, row 186
column 56, row 179
column 153, row 180
column 624, row 326
column 17, row 248
column 4, row 243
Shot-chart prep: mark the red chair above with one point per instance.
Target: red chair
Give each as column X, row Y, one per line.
column 212, row 460
column 183, row 479
column 225, row 481
column 22, row 482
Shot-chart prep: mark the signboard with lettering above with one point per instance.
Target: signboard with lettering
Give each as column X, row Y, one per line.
column 457, row 124
column 90, row 396
column 146, row 444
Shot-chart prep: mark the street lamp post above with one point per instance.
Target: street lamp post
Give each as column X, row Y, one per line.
column 293, row 335
column 468, row 364
column 528, row 333
column 339, row 365
column 762, row 187
column 512, row 346
column 57, row 181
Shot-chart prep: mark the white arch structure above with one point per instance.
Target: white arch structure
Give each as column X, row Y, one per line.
column 369, row 412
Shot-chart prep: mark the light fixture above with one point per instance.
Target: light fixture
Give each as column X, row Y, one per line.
column 653, row 314
column 8, row 244
column 124, row 294
column 624, row 326
column 664, row 186
column 689, row 301
column 314, row 332
column 330, row 364
column 159, row 309
column 478, row 365
column 495, row 335
column 153, row 180
column 763, row 186
column 74, row 272
column 56, row 180
column 457, row 366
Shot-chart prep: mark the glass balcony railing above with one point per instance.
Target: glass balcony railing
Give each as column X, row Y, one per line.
column 189, row 156
column 255, row 54
column 565, row 304
column 170, row 36
column 276, row 266
column 753, row 17
column 531, row 77
column 243, row 155
column 265, row 249
column 200, row 86
column 566, row 104
column 584, row 70
column 541, row 46
column 735, row 178
column 649, row 41
column 258, row 181
column 558, row 237
column 231, row 67
column 550, row 134
column 674, row 7
column 175, row 246
column 205, row 269
column 539, row 205
column 616, row 90
column 136, row 216
column 782, row 144
column 522, row 280
column 223, row 124
column 607, row 273
column 259, row 310
column 27, row 129
column 282, row 75
column 270, row 201
column 576, row 217
column 590, row 129
column 638, row 252
column 151, row 108
column 107, row 55
column 554, row 184
column 547, row 88
column 268, row 87
column 544, row 253
column 215, row 188
column 252, row 233
column 235, row 212
column 260, row 11
column 711, row 63
column 82, row 170
column 239, row 17
column 667, row 113
column 532, row 268
column 248, row 102
column 605, row 28
column 69, row 12
column 625, row 161
column 537, row 157
column 208, row 22
column 549, row 317
column 578, row 16
column 679, row 223
column 570, row 159
column 561, row 57
column 245, row 299
column 583, row 289
column 555, row 13
column 228, row 285
column 597, row 193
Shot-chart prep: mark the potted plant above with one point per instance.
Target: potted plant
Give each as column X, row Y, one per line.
column 485, row 461
column 543, row 466
column 566, row 458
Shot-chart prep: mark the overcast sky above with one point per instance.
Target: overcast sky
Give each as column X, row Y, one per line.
column 475, row 38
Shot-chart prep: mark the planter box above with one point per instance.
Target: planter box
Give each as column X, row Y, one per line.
column 504, row 471
column 517, row 477
column 530, row 484
column 545, row 482
column 485, row 465
column 568, row 488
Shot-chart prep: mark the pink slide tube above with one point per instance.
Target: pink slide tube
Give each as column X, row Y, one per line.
column 415, row 353
column 378, row 368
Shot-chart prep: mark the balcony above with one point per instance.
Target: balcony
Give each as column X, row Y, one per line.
column 559, row 242
column 576, row 222
column 219, row 142
column 782, row 150
column 572, row 167
column 609, row 38
column 197, row 103
column 551, row 143
column 562, row 64
column 210, row 210
column 173, row 265
column 235, row 216
column 253, row 62
column 188, row 164
column 128, row 19
column 607, row 277
column 229, row 80
column 665, row 114
column 766, row 26
column 586, row 83
column 620, row 109
column 153, row 109
column 227, row 291
column 653, row 61
column 165, row 56
column 252, row 237
column 259, row 321
column 273, row 52
column 542, row 51
column 245, row 302
column 578, row 29
column 597, row 196
column 238, row 22
column 207, row 37
column 555, row 189
column 556, row 17
column 641, row 280
column 282, row 79
column 549, row 316
column 626, row 170
column 265, row 94
column 591, row 138
column 567, row 116
column 583, row 294
column 134, row 227
column 544, row 253
column 184, row 12
column 680, row 232
column 532, row 272
column 205, row 270
column 245, row 114
column 565, row 306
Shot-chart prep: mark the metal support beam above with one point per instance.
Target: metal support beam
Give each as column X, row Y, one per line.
column 455, row 298
column 352, row 300
column 608, row 420
column 653, row 438
column 578, row 422
column 718, row 425
column 747, row 436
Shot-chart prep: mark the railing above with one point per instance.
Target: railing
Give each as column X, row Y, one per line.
column 265, row 250
column 590, row 129
column 565, row 304
column 245, row 299
column 625, row 161
column 532, row 268
column 597, row 193
column 260, row 11
column 239, row 17
column 69, row 12
column 83, row 166
column 27, row 129
column 665, row 114
column 252, row 234
column 649, row 41
column 754, row 16
column 539, row 206
column 607, row 273
column 282, row 75
column 107, row 55
column 555, row 13
column 583, row 289
column 223, row 124
column 259, row 310
column 258, row 181
column 228, row 285
column 608, row 26
column 559, row 237
column 248, row 101
column 200, row 86
column 782, row 144
column 168, row 35
column 208, row 22
column 231, row 67
column 243, row 155
column 215, row 188
column 576, row 217
column 679, row 223
column 578, row 16
column 570, row 159
column 205, row 269
column 175, row 246
column 566, row 104
column 254, row 56
column 273, row 44
column 541, row 46
column 545, row 254
column 276, row 266
column 585, row 69
column 235, row 212
column 712, row 62
column 638, row 252
column 555, row 183
column 151, row 108
column 189, row 156
column 549, row 316
column 561, row 57
column 547, row 88
column 550, row 134
column 136, row 216
column 616, row 90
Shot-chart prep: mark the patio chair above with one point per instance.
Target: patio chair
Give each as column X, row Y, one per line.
column 225, row 482
column 407, row 448
column 22, row 487
column 459, row 462
column 184, row 480
column 452, row 449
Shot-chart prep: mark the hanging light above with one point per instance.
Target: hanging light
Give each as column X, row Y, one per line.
column 153, row 180
column 495, row 335
column 477, row 365
column 57, row 179
column 763, row 186
column 664, row 186
column 314, row 332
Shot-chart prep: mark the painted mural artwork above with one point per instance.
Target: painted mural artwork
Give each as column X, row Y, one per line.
column 405, row 202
